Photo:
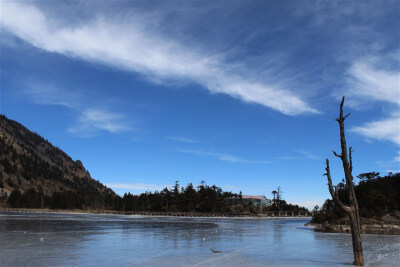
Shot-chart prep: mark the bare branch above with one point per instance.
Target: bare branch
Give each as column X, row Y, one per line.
column 346, row 116
column 328, row 175
column 336, row 154
column 334, row 191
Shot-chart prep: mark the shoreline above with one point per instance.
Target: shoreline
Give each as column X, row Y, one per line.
column 387, row 225
column 345, row 229
column 151, row 214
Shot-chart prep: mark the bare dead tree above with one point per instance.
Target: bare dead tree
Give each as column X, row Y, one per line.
column 352, row 208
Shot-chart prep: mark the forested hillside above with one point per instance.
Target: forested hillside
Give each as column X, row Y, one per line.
column 34, row 173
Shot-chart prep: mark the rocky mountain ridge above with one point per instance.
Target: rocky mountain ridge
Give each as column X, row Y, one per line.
column 29, row 162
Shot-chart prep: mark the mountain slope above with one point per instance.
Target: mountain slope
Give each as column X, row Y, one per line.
column 30, row 165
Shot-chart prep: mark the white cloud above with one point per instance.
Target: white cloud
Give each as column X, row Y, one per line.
column 89, row 118
column 94, row 119
column 223, row 157
column 128, row 45
column 373, row 80
column 386, row 129
column 369, row 82
column 50, row 95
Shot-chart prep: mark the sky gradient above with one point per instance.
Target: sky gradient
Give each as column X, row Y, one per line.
column 238, row 94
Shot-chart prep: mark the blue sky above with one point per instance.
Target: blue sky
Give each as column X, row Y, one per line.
column 241, row 94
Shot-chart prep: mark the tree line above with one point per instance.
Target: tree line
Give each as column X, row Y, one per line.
column 202, row 198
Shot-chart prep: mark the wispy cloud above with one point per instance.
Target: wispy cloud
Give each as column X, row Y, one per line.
column 134, row 44
column 303, row 154
column 46, row 94
column 385, row 129
column 182, row 139
column 369, row 82
column 309, row 155
column 377, row 80
column 93, row 119
column 89, row 118
column 223, row 156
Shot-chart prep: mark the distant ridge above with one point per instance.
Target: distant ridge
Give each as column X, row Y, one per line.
column 28, row 162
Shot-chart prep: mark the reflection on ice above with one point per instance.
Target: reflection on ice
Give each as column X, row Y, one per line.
column 85, row 239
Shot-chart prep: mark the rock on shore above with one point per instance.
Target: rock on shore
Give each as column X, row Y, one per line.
column 388, row 225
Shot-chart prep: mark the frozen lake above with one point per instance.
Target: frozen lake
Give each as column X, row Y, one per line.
column 39, row 239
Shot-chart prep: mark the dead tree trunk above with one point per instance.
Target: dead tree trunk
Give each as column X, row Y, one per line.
column 352, row 209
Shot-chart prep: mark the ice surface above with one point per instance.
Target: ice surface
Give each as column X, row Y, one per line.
column 109, row 240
